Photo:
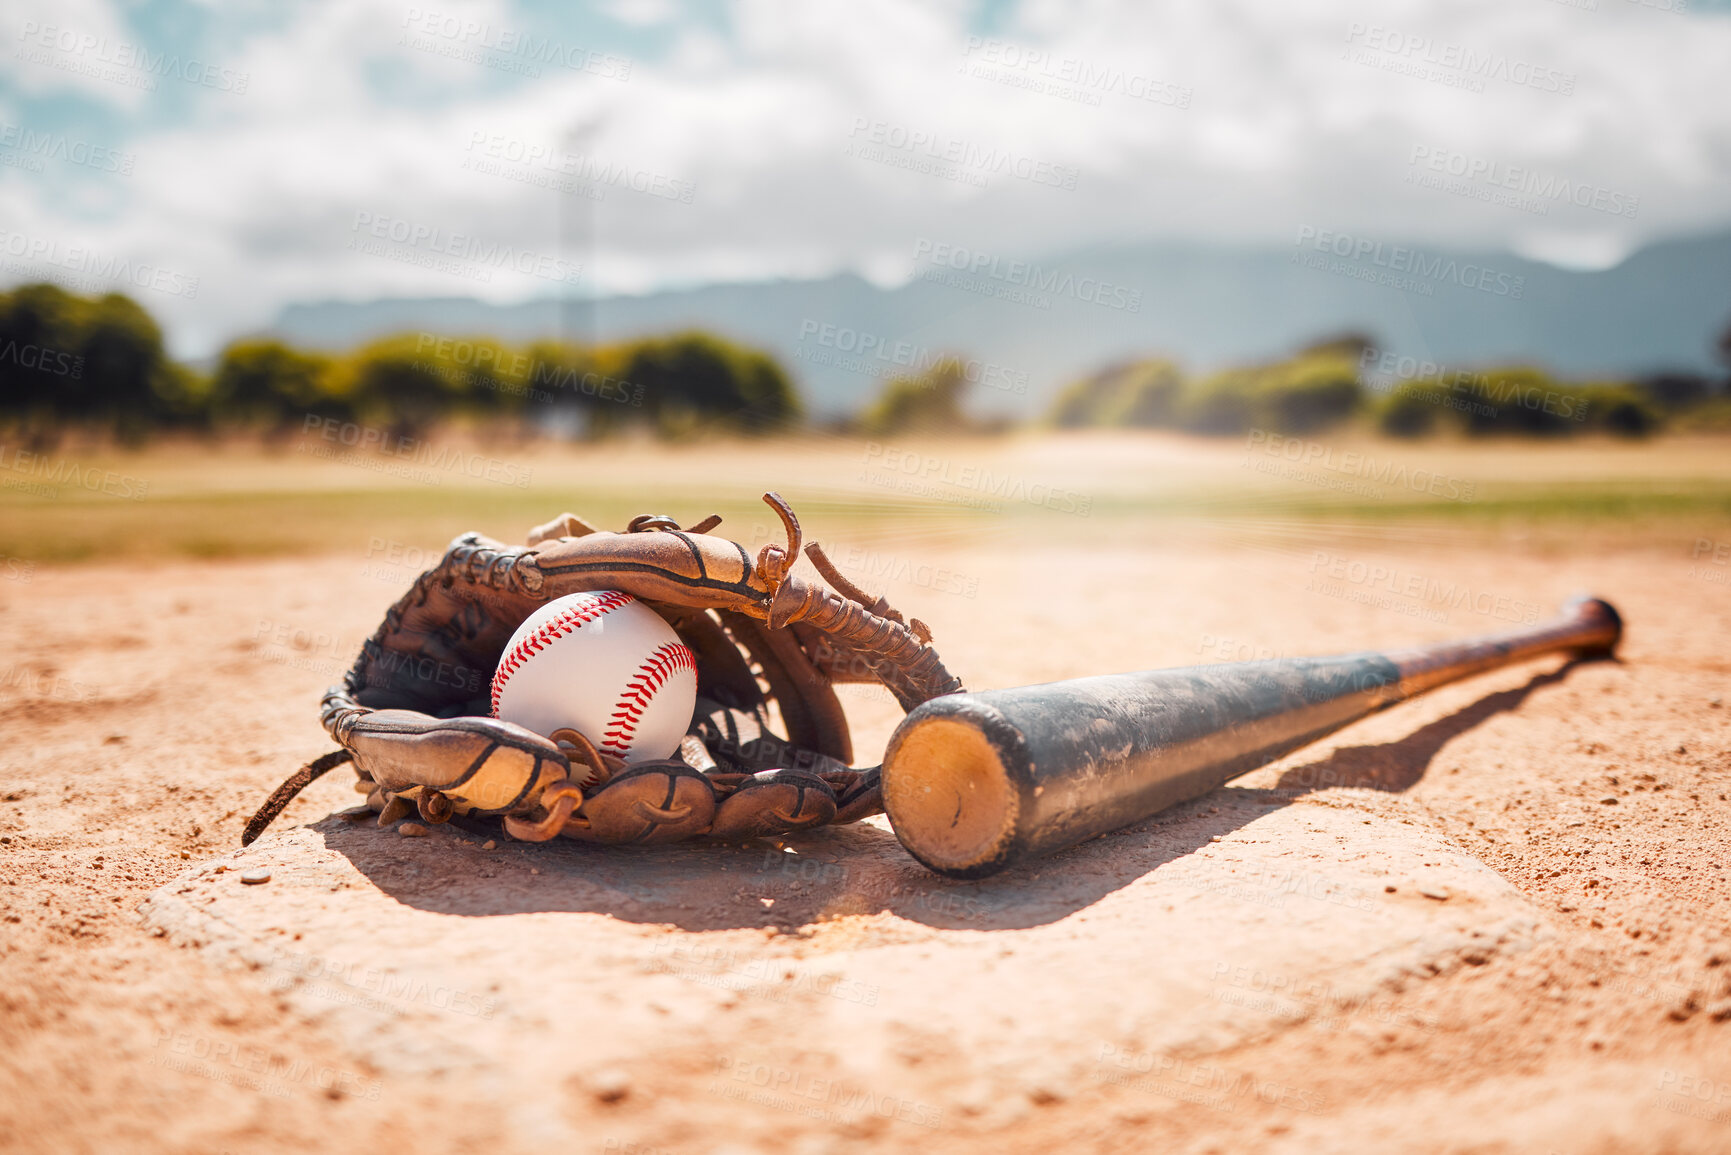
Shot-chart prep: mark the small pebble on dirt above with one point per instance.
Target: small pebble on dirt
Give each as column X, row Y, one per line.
column 255, row 876
column 489, row 845
column 610, row 1086
column 1607, row 801
column 1435, row 892
column 413, row 830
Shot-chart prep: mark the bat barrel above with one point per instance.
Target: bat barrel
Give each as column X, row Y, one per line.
column 973, row 783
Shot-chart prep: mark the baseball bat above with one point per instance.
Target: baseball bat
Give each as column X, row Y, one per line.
column 973, row 783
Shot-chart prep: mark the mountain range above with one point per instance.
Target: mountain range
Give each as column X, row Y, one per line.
column 1029, row 326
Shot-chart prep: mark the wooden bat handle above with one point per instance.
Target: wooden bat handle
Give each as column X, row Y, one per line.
column 1586, row 625
column 975, row 782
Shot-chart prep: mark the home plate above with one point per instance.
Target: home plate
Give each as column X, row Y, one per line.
column 834, row 977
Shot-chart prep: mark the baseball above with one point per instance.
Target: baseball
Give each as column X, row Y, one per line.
column 603, row 664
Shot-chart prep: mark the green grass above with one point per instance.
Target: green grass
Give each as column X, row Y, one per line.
column 226, row 505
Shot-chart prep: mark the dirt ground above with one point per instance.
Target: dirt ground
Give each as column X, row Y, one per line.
column 1494, row 919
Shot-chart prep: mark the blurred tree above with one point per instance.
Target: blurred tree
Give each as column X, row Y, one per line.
column 267, row 384
column 1410, row 411
column 1221, row 403
column 1675, row 391
column 691, row 382
column 1302, row 394
column 1350, row 346
column 1520, row 401
column 1142, row 394
column 89, row 360
column 394, row 382
column 928, row 402
column 1619, row 408
column 1312, row 391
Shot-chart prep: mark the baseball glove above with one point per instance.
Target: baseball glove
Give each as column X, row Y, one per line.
column 413, row 714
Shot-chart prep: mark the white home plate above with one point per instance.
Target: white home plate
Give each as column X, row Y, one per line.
column 553, row 981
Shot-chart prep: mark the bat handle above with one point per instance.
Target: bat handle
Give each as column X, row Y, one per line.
column 1587, row 625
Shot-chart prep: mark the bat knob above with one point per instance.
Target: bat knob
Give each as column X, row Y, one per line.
column 1599, row 621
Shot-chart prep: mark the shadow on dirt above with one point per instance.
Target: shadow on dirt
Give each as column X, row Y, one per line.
column 794, row 884
column 1398, row 766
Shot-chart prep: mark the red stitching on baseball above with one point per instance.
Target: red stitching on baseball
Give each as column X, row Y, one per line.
column 640, row 690
column 573, row 618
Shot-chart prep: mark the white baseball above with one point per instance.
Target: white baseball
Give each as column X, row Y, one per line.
column 604, row 664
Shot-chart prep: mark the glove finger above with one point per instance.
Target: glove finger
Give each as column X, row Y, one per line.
column 663, row 801
column 861, row 798
column 483, row 765
column 774, row 802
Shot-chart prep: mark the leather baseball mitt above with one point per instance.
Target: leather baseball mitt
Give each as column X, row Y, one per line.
column 413, row 715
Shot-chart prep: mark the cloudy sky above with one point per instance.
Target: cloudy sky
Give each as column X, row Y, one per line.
column 221, row 160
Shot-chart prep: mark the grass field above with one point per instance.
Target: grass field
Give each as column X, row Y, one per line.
column 238, row 499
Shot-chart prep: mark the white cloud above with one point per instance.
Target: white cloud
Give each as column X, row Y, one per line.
column 1292, row 116
column 643, row 13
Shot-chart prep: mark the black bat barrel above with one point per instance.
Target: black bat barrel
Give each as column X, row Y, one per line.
column 975, row 782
